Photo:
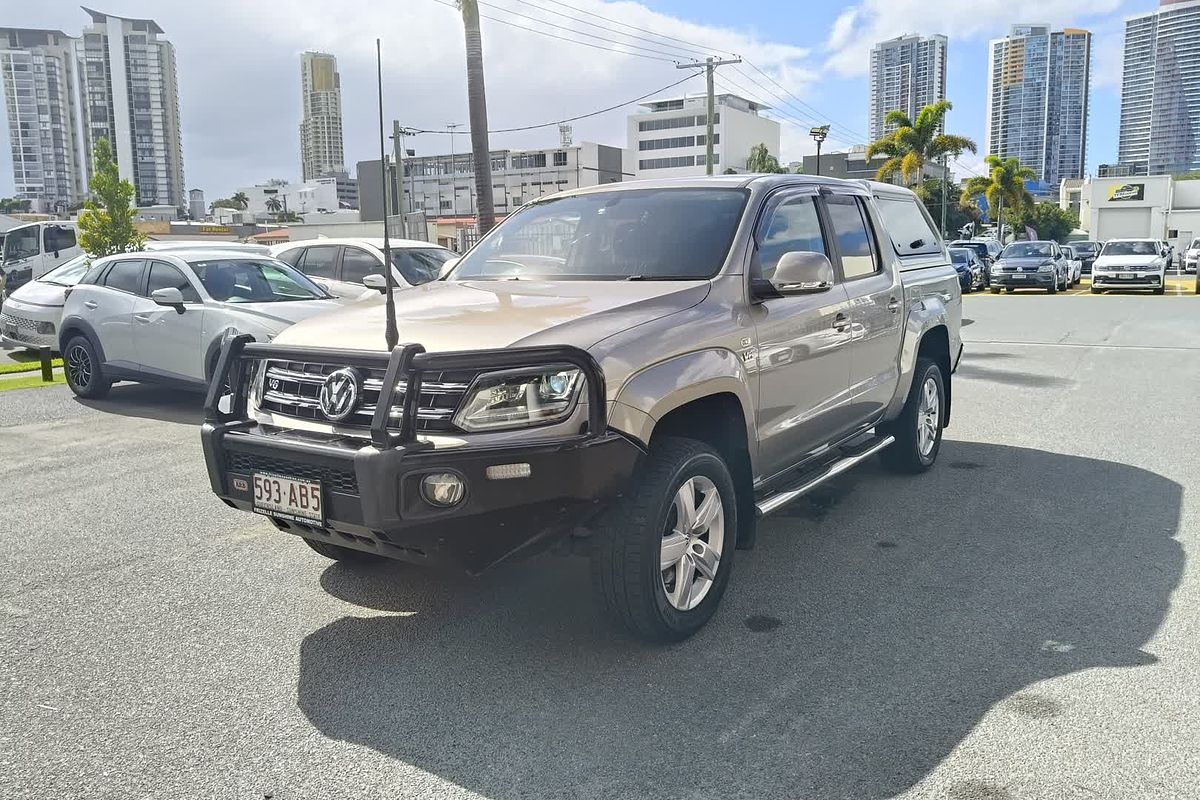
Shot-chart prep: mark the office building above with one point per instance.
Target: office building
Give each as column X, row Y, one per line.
column 321, row 149
column 317, row 196
column 667, row 140
column 196, row 207
column 853, row 163
column 1160, row 91
column 39, row 84
column 907, row 74
column 347, row 188
column 1037, row 104
column 444, row 185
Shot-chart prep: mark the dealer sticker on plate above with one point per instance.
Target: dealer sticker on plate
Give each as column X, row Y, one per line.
column 288, row 498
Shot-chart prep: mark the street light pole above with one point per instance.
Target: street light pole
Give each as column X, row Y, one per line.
column 818, row 134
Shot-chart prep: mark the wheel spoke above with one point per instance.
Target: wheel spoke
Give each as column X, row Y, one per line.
column 673, row 548
column 685, row 578
column 685, row 505
column 707, row 513
column 704, row 561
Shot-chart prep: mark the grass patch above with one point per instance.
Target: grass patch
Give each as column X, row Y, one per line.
column 27, row 366
column 30, row 382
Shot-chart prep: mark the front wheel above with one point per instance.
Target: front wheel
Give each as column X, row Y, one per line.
column 84, row 374
column 918, row 430
column 662, row 555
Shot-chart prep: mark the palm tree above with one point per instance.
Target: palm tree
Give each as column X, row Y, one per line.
column 911, row 144
column 1005, row 183
column 760, row 160
column 241, row 200
column 273, row 205
column 477, row 105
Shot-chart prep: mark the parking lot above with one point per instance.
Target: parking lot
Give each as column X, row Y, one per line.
column 1020, row 622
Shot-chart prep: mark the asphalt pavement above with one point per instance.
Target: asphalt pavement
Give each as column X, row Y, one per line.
column 1020, row 622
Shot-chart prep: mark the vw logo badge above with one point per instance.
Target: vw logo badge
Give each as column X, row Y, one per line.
column 339, row 394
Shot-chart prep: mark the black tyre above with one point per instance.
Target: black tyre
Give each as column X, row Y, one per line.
column 1008, row 290
column 1095, row 290
column 82, row 366
column 662, row 555
column 1054, row 288
column 918, row 430
column 995, row 290
column 339, row 553
column 1159, row 290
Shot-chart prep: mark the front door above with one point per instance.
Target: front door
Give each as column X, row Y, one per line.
column 168, row 343
column 802, row 360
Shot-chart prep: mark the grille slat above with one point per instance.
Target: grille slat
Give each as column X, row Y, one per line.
column 340, row 480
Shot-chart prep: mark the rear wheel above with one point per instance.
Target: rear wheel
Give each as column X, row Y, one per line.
column 339, row 553
column 84, row 374
column 662, row 555
column 995, row 290
column 1008, row 290
column 1159, row 290
column 918, row 430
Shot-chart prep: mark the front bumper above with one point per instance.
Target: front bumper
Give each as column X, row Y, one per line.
column 371, row 491
column 1132, row 279
column 18, row 328
column 1024, row 280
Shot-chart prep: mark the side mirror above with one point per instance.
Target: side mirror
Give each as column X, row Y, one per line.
column 169, row 296
column 448, row 265
column 375, row 281
column 803, row 272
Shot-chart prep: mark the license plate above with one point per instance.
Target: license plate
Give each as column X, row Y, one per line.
column 1126, row 276
column 288, row 498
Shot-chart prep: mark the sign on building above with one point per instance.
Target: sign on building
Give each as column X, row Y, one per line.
column 1128, row 191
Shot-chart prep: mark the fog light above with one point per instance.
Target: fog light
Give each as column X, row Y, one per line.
column 503, row 472
column 443, row 489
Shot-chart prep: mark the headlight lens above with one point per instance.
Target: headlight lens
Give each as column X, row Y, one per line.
column 519, row 399
column 1046, row 268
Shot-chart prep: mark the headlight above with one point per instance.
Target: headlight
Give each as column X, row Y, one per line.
column 997, row 268
column 519, row 399
column 1046, row 268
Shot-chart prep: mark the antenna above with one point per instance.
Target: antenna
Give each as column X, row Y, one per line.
column 390, row 335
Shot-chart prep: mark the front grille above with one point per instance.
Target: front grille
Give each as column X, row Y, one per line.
column 290, row 389
column 20, row 328
column 340, row 480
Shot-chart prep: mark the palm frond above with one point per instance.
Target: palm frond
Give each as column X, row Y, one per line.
column 911, row 165
column 888, row 169
column 898, row 118
column 884, row 147
column 950, row 144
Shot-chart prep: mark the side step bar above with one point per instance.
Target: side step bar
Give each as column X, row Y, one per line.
column 778, row 501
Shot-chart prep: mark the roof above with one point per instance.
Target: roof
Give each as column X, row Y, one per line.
column 739, row 181
column 100, row 16
column 377, row 243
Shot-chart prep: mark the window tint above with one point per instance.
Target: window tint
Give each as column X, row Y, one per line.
column 58, row 237
column 358, row 264
column 124, row 275
column 853, row 237
column 254, row 281
column 318, row 261
column 291, row 256
column 420, row 265
column 165, row 276
column 792, row 225
column 909, row 228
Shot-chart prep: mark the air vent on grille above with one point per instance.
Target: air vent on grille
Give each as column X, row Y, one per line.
column 341, row 480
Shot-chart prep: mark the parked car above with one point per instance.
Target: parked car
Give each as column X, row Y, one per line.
column 969, row 268
column 1030, row 265
column 31, row 315
column 32, row 250
column 1074, row 265
column 158, row 246
column 1087, row 250
column 984, row 250
column 161, row 317
column 342, row 265
column 595, row 369
column 1191, row 257
column 1130, row 264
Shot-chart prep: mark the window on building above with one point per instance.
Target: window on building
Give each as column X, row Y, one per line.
column 529, row 160
column 665, row 163
column 560, row 158
column 445, row 205
column 669, row 123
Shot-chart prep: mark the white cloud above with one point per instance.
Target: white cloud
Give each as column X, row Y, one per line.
column 858, row 28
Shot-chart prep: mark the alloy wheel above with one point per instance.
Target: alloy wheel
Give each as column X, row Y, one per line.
column 692, row 542
column 79, row 364
column 928, row 417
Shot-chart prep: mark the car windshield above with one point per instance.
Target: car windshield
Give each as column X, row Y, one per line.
column 420, row 265
column 1195, row 245
column 68, row 274
column 638, row 234
column 959, row 255
column 21, row 243
column 253, row 280
column 1144, row 248
column 979, row 247
column 1027, row 250
column 1069, row 252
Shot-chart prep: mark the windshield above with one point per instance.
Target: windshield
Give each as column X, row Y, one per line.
column 651, row 234
column 253, row 280
column 1195, row 245
column 21, row 243
column 1145, row 248
column 959, row 256
column 979, row 247
column 68, row 274
column 420, row 265
column 1027, row 250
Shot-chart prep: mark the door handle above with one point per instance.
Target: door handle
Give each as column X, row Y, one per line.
column 893, row 305
column 841, row 322
column 91, row 303
column 142, row 317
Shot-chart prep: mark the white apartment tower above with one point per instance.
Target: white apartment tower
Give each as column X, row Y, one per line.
column 907, row 74
column 321, row 149
column 1037, row 105
column 667, row 140
column 131, row 97
column 1160, row 91
column 39, row 84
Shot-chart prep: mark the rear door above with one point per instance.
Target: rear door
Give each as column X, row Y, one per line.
column 108, row 306
column 874, row 293
column 169, row 343
column 320, row 262
column 357, row 263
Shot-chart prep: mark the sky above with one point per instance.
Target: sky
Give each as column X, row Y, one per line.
column 239, row 68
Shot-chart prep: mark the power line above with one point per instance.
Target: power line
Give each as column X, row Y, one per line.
column 700, row 48
column 687, row 49
column 819, row 115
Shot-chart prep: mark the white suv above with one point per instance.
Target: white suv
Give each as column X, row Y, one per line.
column 1131, row 264
column 162, row 316
column 341, row 265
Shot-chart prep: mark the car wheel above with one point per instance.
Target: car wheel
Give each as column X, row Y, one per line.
column 1053, row 289
column 339, row 553
column 1008, row 290
column 1159, row 290
column 995, row 290
column 84, row 374
column 662, row 555
column 1095, row 290
column 918, row 430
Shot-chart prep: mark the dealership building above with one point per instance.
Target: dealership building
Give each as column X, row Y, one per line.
column 1155, row 207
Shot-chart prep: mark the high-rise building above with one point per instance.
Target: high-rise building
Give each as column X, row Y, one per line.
column 1037, row 106
column 321, row 149
column 907, row 74
column 39, row 82
column 1160, row 91
column 667, row 140
column 131, row 97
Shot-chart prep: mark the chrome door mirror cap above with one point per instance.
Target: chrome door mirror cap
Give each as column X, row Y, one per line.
column 803, row 272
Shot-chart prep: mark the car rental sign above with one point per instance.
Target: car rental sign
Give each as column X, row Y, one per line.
column 1128, row 191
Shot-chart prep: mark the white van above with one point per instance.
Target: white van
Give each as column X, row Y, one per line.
column 30, row 251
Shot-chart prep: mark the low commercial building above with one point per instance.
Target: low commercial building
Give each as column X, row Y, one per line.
column 853, row 163
column 1152, row 207
column 315, row 196
column 668, row 139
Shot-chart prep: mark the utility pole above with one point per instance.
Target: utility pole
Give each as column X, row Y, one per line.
column 945, row 190
column 450, row 126
column 398, row 157
column 709, row 65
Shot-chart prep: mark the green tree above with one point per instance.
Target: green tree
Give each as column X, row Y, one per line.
column 481, row 154
column 1048, row 219
column 761, row 160
column 11, row 205
column 913, row 143
column 958, row 214
column 106, row 222
column 1004, row 185
column 288, row 216
column 273, row 205
column 240, row 200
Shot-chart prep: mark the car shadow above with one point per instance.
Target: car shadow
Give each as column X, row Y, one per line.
column 150, row 401
column 1031, row 380
column 864, row 638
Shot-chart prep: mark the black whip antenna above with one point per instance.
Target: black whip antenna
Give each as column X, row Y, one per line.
column 391, row 335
